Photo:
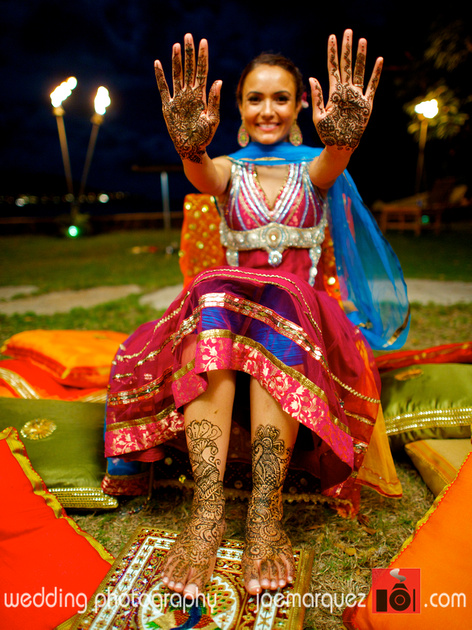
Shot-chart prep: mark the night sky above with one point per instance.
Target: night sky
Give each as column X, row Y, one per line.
column 114, row 43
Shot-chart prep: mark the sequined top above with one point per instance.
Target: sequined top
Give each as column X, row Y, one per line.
column 246, row 207
column 297, row 218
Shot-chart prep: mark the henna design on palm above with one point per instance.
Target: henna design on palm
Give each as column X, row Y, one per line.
column 267, row 546
column 343, row 120
column 191, row 122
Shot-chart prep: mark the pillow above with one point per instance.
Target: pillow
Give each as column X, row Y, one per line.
column 438, row 460
column 427, row 401
column 64, row 441
column 200, row 246
column 22, row 379
column 449, row 353
column 49, row 567
column 436, row 562
column 79, row 358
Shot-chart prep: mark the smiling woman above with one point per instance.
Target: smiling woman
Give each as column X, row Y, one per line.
column 281, row 333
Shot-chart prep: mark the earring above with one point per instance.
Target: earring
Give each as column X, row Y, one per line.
column 295, row 136
column 243, row 136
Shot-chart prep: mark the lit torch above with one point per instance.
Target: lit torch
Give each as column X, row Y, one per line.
column 101, row 102
column 58, row 96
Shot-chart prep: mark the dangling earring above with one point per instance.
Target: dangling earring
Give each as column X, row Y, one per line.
column 243, row 136
column 295, row 136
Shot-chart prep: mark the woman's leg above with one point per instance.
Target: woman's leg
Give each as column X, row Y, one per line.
column 268, row 556
column 191, row 560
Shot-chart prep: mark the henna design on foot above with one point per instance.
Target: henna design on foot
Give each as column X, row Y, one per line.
column 268, row 557
column 191, row 560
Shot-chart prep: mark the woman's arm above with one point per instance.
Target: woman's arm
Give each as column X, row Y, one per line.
column 342, row 122
column 190, row 120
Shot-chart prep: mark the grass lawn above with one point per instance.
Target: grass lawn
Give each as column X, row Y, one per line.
column 346, row 550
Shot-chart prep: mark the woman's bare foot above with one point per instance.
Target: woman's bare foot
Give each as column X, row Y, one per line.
column 267, row 561
column 191, row 560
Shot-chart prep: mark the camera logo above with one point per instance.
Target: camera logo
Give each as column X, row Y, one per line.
column 396, row 591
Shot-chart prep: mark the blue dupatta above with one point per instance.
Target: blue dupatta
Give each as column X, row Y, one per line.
column 368, row 269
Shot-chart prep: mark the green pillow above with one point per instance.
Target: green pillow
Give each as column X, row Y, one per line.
column 427, row 401
column 64, row 441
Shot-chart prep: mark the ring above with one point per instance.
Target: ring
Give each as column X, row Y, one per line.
column 360, row 85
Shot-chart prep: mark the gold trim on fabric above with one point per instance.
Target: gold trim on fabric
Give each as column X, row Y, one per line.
column 19, row 453
column 263, row 279
column 360, row 418
column 84, row 498
column 352, row 391
column 143, row 391
column 295, row 374
column 428, row 419
column 292, row 372
column 19, row 384
column 399, row 330
column 128, row 424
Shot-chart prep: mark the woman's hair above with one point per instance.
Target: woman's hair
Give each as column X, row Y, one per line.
column 272, row 59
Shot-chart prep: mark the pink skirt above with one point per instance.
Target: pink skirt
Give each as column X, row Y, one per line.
column 270, row 325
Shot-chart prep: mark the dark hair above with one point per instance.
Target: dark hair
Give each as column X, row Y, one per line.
column 272, row 59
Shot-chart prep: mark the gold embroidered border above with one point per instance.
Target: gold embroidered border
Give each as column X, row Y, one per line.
column 146, row 390
column 264, row 279
column 428, row 419
column 129, row 424
column 18, row 383
column 292, row 372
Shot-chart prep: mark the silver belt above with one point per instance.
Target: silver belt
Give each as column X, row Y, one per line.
column 275, row 239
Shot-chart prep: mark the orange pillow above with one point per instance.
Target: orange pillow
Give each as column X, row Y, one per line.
column 49, row 567
column 78, row 358
column 200, row 246
column 22, row 379
column 438, row 554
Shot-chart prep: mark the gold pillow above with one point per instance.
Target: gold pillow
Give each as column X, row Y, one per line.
column 438, row 461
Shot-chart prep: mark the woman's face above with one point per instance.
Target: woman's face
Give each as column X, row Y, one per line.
column 269, row 107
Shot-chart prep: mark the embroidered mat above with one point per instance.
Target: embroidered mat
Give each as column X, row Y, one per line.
column 132, row 595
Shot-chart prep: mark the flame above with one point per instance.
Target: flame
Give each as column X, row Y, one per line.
column 102, row 100
column 429, row 109
column 63, row 91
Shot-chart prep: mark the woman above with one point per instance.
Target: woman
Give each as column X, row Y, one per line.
column 266, row 314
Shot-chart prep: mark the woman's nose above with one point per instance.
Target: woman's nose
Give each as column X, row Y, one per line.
column 267, row 109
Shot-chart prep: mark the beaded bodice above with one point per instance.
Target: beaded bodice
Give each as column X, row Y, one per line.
column 297, row 219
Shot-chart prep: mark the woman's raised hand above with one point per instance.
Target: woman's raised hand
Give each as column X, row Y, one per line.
column 342, row 121
column 190, row 120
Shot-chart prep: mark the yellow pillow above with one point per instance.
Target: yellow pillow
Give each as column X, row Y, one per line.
column 78, row 358
column 438, row 557
column 438, row 461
